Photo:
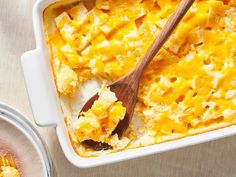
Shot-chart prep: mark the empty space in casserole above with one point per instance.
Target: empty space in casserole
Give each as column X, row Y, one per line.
column 189, row 87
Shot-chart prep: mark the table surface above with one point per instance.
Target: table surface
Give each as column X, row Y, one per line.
column 216, row 158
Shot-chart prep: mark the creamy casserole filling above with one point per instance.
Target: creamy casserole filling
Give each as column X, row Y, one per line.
column 189, row 88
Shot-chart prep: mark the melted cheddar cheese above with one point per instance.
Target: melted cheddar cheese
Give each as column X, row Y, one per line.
column 189, row 87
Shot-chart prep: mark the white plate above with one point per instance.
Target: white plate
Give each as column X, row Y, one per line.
column 18, row 137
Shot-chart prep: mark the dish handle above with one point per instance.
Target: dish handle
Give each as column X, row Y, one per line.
column 41, row 92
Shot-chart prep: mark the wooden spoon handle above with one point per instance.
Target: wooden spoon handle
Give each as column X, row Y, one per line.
column 164, row 34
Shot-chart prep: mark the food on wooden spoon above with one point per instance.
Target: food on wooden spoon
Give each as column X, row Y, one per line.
column 99, row 122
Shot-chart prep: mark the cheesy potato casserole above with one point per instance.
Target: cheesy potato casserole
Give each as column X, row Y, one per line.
column 189, row 87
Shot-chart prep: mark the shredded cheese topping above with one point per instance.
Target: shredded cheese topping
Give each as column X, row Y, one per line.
column 189, row 87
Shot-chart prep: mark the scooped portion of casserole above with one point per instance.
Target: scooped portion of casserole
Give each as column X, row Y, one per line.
column 101, row 119
column 8, row 167
column 7, row 171
column 189, row 87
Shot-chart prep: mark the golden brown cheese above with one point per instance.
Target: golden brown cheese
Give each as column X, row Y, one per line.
column 190, row 86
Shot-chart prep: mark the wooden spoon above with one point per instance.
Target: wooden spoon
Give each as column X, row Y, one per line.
column 126, row 88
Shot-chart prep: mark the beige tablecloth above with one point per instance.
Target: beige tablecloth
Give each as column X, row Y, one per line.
column 213, row 159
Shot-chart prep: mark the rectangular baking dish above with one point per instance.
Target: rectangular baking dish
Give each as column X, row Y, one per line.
column 47, row 112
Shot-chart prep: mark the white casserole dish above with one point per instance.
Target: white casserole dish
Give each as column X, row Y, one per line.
column 47, row 112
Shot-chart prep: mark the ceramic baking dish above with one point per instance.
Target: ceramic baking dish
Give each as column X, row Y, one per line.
column 47, row 112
